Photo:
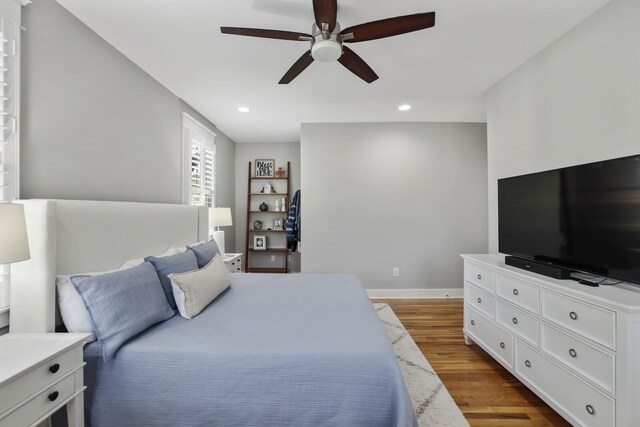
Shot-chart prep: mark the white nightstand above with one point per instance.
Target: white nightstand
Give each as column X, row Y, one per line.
column 233, row 262
column 40, row 373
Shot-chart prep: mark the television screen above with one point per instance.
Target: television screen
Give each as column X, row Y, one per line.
column 585, row 217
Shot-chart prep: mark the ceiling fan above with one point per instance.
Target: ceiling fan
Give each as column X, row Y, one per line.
column 327, row 39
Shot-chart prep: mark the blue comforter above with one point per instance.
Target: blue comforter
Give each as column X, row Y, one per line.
column 274, row 350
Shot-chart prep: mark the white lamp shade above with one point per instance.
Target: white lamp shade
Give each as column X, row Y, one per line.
column 220, row 217
column 14, row 245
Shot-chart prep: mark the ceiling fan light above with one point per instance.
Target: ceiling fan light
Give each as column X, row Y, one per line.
column 326, row 51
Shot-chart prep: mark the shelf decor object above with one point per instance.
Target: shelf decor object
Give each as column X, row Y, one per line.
column 220, row 217
column 261, row 209
column 265, row 168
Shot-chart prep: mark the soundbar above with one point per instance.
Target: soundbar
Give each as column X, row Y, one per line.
column 538, row 267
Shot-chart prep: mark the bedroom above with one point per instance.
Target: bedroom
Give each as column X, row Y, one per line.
column 95, row 125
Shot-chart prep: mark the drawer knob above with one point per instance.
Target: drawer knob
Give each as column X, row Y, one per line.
column 501, row 345
column 479, row 276
column 573, row 353
column 473, row 322
column 54, row 368
column 515, row 320
column 590, row 409
column 527, row 363
column 53, row 396
column 515, row 292
column 573, row 315
column 479, row 300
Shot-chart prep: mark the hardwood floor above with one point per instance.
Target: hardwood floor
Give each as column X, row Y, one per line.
column 487, row 394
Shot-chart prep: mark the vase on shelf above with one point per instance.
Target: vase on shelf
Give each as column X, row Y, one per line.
column 264, row 207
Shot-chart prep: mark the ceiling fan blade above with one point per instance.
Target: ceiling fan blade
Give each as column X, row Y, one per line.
column 388, row 27
column 267, row 34
column 356, row 65
column 326, row 11
column 300, row 65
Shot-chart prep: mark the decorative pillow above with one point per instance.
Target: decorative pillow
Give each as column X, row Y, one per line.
column 72, row 310
column 122, row 304
column 181, row 249
column 194, row 290
column 205, row 252
column 178, row 263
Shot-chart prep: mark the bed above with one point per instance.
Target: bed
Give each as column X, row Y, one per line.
column 273, row 350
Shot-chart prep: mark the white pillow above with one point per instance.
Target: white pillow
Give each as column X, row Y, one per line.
column 194, row 290
column 72, row 309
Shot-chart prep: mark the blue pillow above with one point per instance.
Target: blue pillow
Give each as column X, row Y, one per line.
column 178, row 263
column 122, row 304
column 205, row 252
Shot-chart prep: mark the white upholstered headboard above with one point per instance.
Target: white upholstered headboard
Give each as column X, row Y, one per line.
column 78, row 236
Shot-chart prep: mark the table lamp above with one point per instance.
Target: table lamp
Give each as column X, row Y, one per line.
column 14, row 245
column 220, row 217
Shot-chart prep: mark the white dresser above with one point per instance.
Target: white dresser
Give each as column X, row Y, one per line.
column 233, row 262
column 575, row 346
column 40, row 373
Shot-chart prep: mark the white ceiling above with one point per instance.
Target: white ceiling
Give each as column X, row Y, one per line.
column 442, row 72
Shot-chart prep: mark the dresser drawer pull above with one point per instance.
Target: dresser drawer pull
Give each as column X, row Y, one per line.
column 473, row 322
column 53, row 396
column 501, row 345
column 515, row 292
column 515, row 320
column 527, row 363
column 573, row 315
column 590, row 409
column 479, row 300
column 479, row 276
column 54, row 368
column 573, row 353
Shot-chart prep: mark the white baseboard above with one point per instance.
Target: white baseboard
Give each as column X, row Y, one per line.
column 414, row 293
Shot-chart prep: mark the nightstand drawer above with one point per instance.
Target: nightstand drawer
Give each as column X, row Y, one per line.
column 41, row 404
column 479, row 276
column 42, row 375
column 595, row 323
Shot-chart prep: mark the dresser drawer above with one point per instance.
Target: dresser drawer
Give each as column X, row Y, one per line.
column 41, row 404
column 595, row 323
column 519, row 293
column 594, row 364
column 499, row 342
column 479, row 276
column 479, row 299
column 20, row 388
column 584, row 403
column 516, row 320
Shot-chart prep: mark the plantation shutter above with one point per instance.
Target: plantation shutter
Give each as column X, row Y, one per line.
column 199, row 143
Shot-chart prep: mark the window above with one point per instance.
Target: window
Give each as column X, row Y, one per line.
column 199, row 177
column 9, row 135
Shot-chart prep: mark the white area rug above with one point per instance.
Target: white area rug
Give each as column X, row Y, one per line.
column 432, row 402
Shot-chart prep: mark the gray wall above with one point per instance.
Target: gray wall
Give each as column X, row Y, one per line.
column 94, row 125
column 384, row 195
column 245, row 153
column 578, row 101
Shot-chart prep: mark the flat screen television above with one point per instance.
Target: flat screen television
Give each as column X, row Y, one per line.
column 584, row 218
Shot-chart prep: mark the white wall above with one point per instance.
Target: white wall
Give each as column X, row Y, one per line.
column 245, row 153
column 578, row 101
column 95, row 125
column 383, row 195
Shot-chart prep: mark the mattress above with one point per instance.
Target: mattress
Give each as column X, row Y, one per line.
column 273, row 350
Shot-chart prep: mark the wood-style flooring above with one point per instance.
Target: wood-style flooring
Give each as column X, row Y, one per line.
column 487, row 394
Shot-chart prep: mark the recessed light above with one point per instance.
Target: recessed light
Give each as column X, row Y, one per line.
column 405, row 107
column 244, row 109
